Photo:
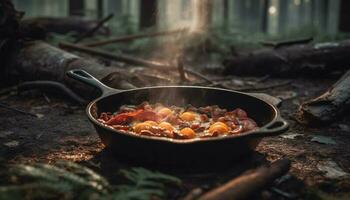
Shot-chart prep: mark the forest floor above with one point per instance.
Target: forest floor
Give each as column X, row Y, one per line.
column 320, row 156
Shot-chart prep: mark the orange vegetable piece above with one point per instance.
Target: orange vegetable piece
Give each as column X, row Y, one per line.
column 163, row 112
column 152, row 123
column 142, row 126
column 166, row 126
column 219, row 128
column 188, row 116
column 188, row 133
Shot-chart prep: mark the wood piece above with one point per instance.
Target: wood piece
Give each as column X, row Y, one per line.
column 40, row 61
column 265, row 87
column 193, row 194
column 49, row 85
column 329, row 106
column 312, row 60
column 94, row 29
column 64, row 25
column 249, row 183
column 134, row 37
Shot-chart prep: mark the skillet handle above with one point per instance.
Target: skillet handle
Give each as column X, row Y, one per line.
column 83, row 76
column 268, row 98
column 277, row 127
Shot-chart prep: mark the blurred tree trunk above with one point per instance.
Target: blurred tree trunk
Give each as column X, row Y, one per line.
column 283, row 16
column 265, row 14
column 344, row 16
column 203, row 15
column 100, row 9
column 319, row 13
column 76, row 7
column 226, row 14
column 148, row 13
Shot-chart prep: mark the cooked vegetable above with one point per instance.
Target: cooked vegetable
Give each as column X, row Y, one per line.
column 163, row 112
column 175, row 122
column 187, row 133
column 188, row 116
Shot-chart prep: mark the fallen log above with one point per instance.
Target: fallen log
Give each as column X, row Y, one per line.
column 38, row 60
column 247, row 185
column 304, row 59
column 329, row 106
column 64, row 25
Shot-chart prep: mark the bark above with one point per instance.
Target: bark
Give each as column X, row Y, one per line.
column 40, row 61
column 64, row 25
column 329, row 106
column 295, row 60
column 247, row 185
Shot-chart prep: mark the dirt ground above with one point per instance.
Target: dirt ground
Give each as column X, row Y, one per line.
column 320, row 165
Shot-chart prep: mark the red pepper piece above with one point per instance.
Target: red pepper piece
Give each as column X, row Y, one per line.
column 147, row 115
column 123, row 118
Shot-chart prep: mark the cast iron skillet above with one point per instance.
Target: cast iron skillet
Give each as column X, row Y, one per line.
column 175, row 152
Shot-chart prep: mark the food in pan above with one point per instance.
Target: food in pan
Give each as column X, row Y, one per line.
column 177, row 122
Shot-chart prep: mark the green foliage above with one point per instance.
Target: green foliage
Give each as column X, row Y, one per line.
column 144, row 184
column 67, row 180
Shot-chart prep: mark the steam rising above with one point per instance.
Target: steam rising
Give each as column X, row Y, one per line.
column 192, row 15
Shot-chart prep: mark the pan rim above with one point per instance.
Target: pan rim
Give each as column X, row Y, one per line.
column 179, row 141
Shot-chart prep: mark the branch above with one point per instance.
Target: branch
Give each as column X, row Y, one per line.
column 133, row 37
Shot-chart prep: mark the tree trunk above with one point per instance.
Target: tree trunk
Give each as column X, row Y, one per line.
column 307, row 59
column 344, row 16
column 265, row 8
column 148, row 13
column 76, row 7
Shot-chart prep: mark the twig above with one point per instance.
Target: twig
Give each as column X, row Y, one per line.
column 17, row 110
column 51, row 84
column 283, row 194
column 199, row 75
column 287, row 43
column 180, row 67
column 265, row 87
column 7, row 90
column 128, row 59
column 120, row 57
column 94, row 29
column 262, row 79
column 133, row 37
column 250, row 183
column 193, row 194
